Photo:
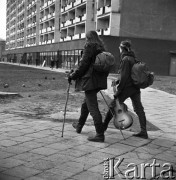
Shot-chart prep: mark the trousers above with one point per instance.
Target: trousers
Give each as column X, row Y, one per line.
column 137, row 106
column 90, row 105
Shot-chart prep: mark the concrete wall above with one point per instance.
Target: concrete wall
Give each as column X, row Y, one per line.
column 156, row 53
column 155, row 19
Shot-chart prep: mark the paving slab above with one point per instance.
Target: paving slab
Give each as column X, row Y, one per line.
column 30, row 151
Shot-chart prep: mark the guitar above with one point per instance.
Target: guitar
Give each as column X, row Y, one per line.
column 122, row 119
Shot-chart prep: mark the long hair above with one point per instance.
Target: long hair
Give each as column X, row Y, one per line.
column 92, row 37
column 126, row 46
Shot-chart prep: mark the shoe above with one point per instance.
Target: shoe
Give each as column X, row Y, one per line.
column 74, row 124
column 97, row 138
column 143, row 135
column 77, row 127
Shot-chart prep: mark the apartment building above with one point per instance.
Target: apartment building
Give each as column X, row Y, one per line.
column 39, row 30
column 2, row 49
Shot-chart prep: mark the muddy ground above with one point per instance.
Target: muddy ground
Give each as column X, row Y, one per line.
column 42, row 95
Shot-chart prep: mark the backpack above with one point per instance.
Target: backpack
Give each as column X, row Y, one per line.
column 103, row 62
column 141, row 76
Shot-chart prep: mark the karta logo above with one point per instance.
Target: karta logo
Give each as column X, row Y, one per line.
column 112, row 168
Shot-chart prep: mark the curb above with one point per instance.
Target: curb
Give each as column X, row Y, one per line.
column 6, row 95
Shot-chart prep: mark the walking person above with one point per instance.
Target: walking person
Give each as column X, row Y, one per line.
column 57, row 62
column 126, row 89
column 92, row 83
column 52, row 63
column 36, row 61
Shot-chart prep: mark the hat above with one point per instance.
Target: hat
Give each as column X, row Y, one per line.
column 126, row 44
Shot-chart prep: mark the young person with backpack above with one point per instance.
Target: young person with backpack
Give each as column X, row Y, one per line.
column 127, row 89
column 92, row 82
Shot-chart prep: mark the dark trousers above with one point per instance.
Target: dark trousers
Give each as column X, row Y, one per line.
column 137, row 106
column 90, row 105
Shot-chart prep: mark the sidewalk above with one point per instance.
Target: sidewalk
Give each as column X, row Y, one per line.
column 36, row 151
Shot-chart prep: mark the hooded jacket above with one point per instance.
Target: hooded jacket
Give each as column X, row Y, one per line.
column 90, row 79
column 126, row 83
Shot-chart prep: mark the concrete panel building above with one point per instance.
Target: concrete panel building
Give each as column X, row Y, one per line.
column 39, row 30
column 2, row 48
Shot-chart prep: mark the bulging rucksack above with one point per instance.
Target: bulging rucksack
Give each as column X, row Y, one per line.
column 141, row 76
column 104, row 62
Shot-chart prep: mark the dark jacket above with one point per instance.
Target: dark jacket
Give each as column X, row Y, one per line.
column 126, row 83
column 90, row 79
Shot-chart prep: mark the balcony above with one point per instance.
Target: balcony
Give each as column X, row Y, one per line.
column 34, row 24
column 77, row 19
column 71, row 14
column 77, row 2
column 107, row 9
column 50, row 2
column 84, row 17
column 34, row 12
column 45, row 5
column 50, row 28
column 74, row 21
column 76, row 36
column 69, row 6
column 100, row 12
column 41, row 7
column 71, row 31
column 45, row 30
column 107, row 31
column 44, row 18
column 68, row 22
column 68, row 38
column 83, row 35
column 62, row 10
column 63, row 33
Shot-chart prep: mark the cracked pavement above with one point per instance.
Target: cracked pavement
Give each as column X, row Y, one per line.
column 33, row 149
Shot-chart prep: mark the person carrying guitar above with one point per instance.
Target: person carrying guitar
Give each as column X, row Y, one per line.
column 126, row 89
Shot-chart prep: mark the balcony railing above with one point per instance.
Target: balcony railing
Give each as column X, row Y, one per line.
column 100, row 12
column 107, row 31
column 107, row 9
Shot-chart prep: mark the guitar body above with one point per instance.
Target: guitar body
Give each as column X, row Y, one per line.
column 122, row 119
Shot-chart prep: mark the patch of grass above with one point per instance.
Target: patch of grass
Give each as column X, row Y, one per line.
column 26, row 79
column 165, row 83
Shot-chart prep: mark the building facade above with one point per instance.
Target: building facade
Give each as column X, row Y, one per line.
column 2, row 48
column 39, row 30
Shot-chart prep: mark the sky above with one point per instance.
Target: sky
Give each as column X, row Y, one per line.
column 3, row 19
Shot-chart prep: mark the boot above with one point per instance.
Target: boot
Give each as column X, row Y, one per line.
column 97, row 138
column 78, row 127
column 142, row 134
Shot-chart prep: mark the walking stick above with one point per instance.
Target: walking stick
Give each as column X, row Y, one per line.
column 111, row 113
column 65, row 109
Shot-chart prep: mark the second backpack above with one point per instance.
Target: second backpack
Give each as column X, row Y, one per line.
column 141, row 76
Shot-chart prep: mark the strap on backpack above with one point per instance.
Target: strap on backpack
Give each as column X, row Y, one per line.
column 137, row 60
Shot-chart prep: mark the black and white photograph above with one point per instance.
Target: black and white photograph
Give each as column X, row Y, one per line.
column 88, row 89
